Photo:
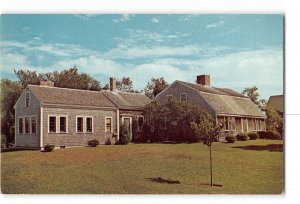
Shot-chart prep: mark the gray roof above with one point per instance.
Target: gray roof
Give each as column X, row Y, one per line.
column 226, row 101
column 276, row 102
column 127, row 100
column 65, row 96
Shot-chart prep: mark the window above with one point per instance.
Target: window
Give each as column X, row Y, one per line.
column 27, row 125
column 244, row 122
column 21, row 125
column 33, row 124
column 183, row 97
column 170, row 97
column 52, row 124
column 79, row 124
column 259, row 124
column 27, row 98
column 108, row 124
column 140, row 122
column 62, row 124
column 89, row 124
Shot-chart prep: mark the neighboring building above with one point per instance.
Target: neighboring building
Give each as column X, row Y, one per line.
column 277, row 103
column 45, row 114
column 236, row 111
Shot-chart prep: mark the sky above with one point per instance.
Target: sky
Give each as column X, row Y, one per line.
column 237, row 51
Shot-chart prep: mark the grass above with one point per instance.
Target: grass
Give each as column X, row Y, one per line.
column 251, row 167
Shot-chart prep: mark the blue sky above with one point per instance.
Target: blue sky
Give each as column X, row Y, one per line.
column 238, row 51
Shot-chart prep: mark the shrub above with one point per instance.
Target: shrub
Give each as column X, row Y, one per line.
column 242, row 137
column 3, row 141
column 230, row 139
column 108, row 142
column 276, row 136
column 269, row 135
column 252, row 135
column 93, row 143
column 49, row 147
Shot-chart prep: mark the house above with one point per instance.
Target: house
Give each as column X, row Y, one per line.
column 277, row 103
column 45, row 114
column 236, row 111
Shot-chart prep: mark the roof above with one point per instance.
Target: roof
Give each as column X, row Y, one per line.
column 226, row 101
column 214, row 90
column 126, row 99
column 276, row 102
column 66, row 96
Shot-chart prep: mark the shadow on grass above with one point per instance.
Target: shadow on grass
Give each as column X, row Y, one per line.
column 18, row 149
column 161, row 180
column 270, row 147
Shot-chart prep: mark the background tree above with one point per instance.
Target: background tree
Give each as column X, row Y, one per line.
column 10, row 92
column 274, row 122
column 253, row 94
column 155, row 86
column 126, row 85
column 207, row 130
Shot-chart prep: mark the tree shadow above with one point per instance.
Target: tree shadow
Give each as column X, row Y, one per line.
column 161, row 180
column 270, row 147
column 14, row 149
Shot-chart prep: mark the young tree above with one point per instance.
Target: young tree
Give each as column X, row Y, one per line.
column 207, row 130
column 253, row 94
column 155, row 86
column 274, row 122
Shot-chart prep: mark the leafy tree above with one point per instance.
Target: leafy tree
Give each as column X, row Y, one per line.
column 155, row 86
column 274, row 122
column 126, row 85
column 10, row 92
column 28, row 77
column 253, row 94
column 207, row 130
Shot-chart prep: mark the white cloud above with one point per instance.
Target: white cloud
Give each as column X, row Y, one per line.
column 124, row 18
column 154, row 20
column 214, row 25
column 85, row 16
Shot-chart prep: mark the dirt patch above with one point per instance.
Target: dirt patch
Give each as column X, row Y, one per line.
column 161, row 180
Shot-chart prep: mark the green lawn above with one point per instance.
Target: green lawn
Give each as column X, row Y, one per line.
column 251, row 167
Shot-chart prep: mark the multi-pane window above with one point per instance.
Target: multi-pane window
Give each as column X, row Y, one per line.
column 89, row 124
column 79, row 124
column 108, row 124
column 52, row 124
column 27, row 125
column 63, row 124
column 183, row 97
column 27, row 98
column 140, row 122
column 21, row 125
column 33, row 124
column 259, row 125
column 244, row 121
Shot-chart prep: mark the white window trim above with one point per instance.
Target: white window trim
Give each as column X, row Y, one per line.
column 181, row 97
column 56, row 121
column 30, row 124
column 243, row 124
column 139, row 116
column 28, row 99
column 130, row 121
column 67, row 120
column 111, row 123
column 83, row 123
column 169, row 95
column 89, row 116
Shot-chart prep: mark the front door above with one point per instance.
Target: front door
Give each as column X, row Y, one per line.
column 128, row 126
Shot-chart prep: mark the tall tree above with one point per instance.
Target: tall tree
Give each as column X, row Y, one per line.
column 10, row 92
column 274, row 122
column 155, row 86
column 253, row 94
column 126, row 85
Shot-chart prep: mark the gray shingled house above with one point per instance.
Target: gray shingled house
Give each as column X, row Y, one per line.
column 237, row 112
column 45, row 114
column 277, row 103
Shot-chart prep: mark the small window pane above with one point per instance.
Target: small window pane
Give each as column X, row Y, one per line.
column 183, row 97
column 33, row 125
column 52, row 124
column 63, row 124
column 80, row 124
column 27, row 125
column 27, row 99
column 108, row 124
column 89, row 124
column 21, row 125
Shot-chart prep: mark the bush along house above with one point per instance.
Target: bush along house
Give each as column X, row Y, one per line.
column 45, row 114
column 236, row 111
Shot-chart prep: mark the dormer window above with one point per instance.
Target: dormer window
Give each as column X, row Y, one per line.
column 183, row 97
column 27, row 99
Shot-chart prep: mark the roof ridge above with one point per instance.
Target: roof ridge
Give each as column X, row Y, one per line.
column 55, row 87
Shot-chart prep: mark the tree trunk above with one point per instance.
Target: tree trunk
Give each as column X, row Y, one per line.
column 211, row 176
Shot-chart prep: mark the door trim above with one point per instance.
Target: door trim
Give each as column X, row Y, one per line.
column 130, row 124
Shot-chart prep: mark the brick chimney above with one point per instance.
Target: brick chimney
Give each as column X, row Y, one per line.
column 203, row 80
column 112, row 84
column 46, row 83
